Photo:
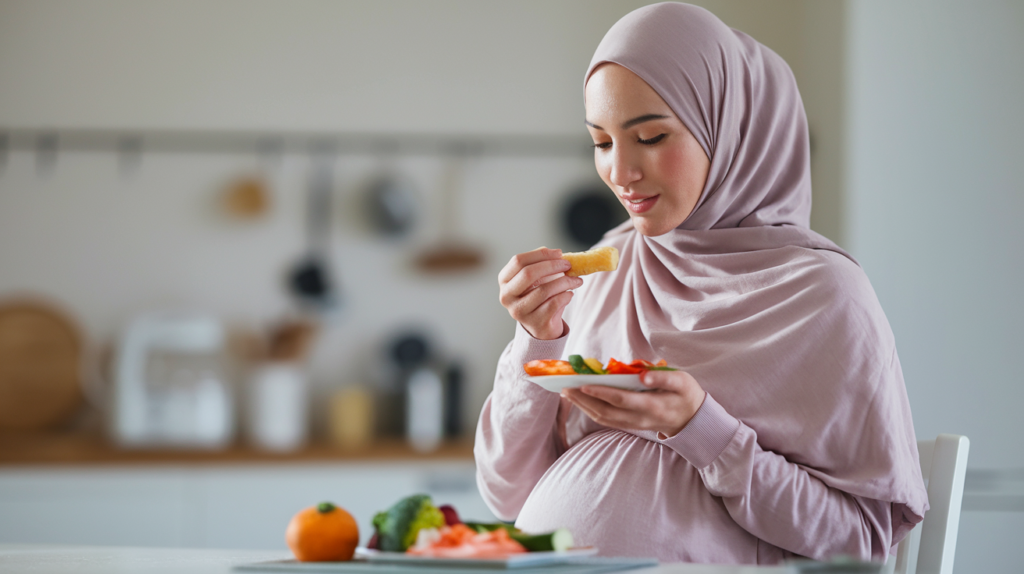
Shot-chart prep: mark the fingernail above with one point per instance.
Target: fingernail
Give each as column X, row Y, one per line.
column 565, row 264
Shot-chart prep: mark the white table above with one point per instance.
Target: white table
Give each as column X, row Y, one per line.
column 54, row 559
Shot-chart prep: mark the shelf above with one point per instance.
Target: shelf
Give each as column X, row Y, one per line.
column 83, row 450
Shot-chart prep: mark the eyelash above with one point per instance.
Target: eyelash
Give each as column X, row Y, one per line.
column 652, row 141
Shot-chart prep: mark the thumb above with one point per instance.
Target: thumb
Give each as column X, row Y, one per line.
column 662, row 380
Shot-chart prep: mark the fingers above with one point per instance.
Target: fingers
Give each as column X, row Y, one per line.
column 619, row 398
column 535, row 274
column 588, row 405
column 666, row 410
column 612, row 415
column 540, row 295
column 518, row 262
column 535, row 290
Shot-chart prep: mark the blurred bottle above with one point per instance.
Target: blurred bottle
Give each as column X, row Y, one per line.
column 424, row 409
column 351, row 418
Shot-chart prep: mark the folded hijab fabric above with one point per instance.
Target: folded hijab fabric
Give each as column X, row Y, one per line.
column 805, row 444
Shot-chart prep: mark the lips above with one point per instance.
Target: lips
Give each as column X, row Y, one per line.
column 639, row 204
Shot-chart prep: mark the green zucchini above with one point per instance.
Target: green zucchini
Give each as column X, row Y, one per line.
column 558, row 541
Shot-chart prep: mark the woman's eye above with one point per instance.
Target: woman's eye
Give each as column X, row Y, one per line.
column 603, row 145
column 651, row 141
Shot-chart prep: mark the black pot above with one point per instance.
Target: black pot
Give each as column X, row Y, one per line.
column 588, row 213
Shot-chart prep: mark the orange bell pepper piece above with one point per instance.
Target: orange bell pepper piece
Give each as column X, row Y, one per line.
column 542, row 368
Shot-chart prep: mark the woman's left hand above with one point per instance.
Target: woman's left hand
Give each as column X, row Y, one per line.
column 672, row 401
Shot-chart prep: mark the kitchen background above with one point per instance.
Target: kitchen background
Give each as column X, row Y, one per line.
column 161, row 157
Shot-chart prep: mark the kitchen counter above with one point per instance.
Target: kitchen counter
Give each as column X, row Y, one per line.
column 85, row 450
column 54, row 559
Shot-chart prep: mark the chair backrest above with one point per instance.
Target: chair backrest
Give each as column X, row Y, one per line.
column 929, row 548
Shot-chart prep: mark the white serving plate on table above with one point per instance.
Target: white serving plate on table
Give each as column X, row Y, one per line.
column 555, row 383
column 509, row 562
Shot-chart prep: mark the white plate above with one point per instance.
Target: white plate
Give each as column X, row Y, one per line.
column 513, row 561
column 555, row 383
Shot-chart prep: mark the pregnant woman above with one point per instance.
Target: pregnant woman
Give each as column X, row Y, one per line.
column 787, row 431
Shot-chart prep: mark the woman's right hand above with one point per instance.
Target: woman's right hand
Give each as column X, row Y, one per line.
column 535, row 290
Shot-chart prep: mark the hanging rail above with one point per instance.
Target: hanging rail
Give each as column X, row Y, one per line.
column 51, row 141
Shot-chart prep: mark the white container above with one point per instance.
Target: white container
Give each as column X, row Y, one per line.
column 278, row 407
column 424, row 410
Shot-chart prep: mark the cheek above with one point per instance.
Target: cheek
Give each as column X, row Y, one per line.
column 683, row 173
column 603, row 168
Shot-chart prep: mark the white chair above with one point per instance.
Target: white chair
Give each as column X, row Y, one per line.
column 930, row 546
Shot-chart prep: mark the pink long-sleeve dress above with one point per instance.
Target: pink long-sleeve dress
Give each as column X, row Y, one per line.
column 803, row 445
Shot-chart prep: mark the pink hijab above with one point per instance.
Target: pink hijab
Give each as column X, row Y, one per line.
column 776, row 322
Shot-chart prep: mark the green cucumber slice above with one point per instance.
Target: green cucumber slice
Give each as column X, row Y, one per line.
column 580, row 366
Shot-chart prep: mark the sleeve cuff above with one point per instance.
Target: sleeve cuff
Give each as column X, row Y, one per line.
column 706, row 435
column 525, row 348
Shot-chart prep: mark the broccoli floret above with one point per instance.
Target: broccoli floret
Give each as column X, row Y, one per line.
column 397, row 526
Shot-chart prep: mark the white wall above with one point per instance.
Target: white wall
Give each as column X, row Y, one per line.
column 394, row 65
column 934, row 192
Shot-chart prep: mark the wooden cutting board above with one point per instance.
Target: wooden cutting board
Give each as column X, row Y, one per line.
column 40, row 365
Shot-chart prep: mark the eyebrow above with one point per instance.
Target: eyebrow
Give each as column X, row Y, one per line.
column 630, row 123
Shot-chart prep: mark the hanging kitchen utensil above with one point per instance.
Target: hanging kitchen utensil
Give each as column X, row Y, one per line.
column 310, row 280
column 391, row 205
column 247, row 198
column 41, row 353
column 589, row 212
column 450, row 253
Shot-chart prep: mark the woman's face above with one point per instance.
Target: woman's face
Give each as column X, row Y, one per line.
column 642, row 151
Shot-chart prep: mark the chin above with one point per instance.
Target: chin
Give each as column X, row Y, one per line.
column 649, row 228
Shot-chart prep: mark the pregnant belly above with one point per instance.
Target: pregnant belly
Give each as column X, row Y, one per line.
column 629, row 496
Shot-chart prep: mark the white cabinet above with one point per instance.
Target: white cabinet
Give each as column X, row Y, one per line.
column 224, row 506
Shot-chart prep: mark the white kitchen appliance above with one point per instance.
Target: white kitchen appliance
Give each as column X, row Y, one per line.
column 170, row 384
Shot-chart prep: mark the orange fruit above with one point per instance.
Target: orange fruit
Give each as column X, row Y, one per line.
column 322, row 533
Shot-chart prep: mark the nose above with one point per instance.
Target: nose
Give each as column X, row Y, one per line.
column 624, row 169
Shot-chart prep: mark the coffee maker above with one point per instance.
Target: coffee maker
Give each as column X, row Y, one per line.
column 170, row 383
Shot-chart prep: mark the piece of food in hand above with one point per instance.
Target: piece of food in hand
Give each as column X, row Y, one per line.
column 461, row 541
column 541, row 368
column 558, row 540
column 322, row 533
column 397, row 527
column 587, row 262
